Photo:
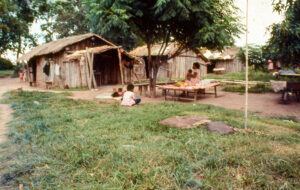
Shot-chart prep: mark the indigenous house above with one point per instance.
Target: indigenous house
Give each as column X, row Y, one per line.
column 78, row 61
column 226, row 61
column 176, row 67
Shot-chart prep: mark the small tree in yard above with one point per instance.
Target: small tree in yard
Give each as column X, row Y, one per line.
column 284, row 44
column 256, row 57
column 190, row 23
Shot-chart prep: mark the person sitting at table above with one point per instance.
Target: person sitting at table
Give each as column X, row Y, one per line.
column 196, row 74
column 129, row 98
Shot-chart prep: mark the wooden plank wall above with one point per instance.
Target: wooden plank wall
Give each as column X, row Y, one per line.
column 180, row 65
column 230, row 65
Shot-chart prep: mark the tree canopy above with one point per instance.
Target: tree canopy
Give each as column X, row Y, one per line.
column 256, row 57
column 64, row 18
column 16, row 16
column 191, row 24
column 284, row 43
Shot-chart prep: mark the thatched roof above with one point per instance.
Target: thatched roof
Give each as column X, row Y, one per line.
column 228, row 53
column 97, row 50
column 58, row 45
column 142, row 51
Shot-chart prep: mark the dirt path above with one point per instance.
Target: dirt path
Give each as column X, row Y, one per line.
column 266, row 105
column 5, row 110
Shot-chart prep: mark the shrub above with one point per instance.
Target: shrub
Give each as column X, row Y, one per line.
column 5, row 64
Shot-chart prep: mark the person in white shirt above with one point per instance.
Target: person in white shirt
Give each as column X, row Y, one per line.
column 129, row 98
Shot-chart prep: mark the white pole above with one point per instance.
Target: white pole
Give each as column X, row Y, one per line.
column 247, row 61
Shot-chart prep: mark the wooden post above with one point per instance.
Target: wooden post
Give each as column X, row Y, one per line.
column 93, row 74
column 89, row 67
column 121, row 66
column 80, row 74
column 87, row 73
column 247, row 60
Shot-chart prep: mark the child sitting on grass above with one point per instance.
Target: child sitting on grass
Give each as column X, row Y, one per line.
column 129, row 98
column 189, row 75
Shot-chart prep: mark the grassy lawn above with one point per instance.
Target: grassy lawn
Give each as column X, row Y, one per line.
column 259, row 88
column 5, row 73
column 60, row 143
column 253, row 76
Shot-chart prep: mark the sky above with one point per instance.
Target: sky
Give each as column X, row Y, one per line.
column 261, row 16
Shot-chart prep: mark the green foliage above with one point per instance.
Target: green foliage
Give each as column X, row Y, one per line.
column 5, row 64
column 284, row 43
column 62, row 143
column 5, row 73
column 259, row 88
column 64, row 18
column 213, row 22
column 16, row 16
column 256, row 57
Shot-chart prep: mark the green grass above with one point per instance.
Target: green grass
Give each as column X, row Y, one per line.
column 259, row 88
column 74, row 144
column 253, row 76
column 5, row 73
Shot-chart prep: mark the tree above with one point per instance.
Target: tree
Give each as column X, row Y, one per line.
column 256, row 57
column 16, row 16
column 284, row 43
column 5, row 64
column 192, row 24
column 64, row 18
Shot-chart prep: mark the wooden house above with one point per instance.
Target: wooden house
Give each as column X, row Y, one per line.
column 172, row 67
column 226, row 61
column 86, row 60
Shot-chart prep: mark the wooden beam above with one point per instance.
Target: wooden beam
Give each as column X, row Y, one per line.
column 93, row 74
column 87, row 70
column 121, row 66
column 90, row 65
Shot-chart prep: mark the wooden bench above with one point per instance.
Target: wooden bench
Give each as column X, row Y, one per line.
column 143, row 87
column 219, row 70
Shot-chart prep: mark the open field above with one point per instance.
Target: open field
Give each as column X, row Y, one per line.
column 60, row 143
column 5, row 73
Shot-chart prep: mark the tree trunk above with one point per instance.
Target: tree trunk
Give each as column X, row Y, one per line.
column 19, row 47
column 152, row 82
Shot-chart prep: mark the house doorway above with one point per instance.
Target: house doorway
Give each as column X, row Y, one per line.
column 106, row 68
column 210, row 67
column 32, row 68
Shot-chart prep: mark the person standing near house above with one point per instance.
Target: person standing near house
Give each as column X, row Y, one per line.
column 270, row 65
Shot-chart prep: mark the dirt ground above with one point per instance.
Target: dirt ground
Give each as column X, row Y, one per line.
column 267, row 105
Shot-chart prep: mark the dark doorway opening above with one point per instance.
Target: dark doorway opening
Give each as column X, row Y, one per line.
column 106, row 68
column 210, row 67
column 32, row 71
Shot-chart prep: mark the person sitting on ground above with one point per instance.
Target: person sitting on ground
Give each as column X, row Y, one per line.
column 129, row 98
column 189, row 75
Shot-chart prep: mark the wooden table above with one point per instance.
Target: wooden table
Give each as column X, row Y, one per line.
column 289, row 75
column 143, row 87
column 189, row 89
